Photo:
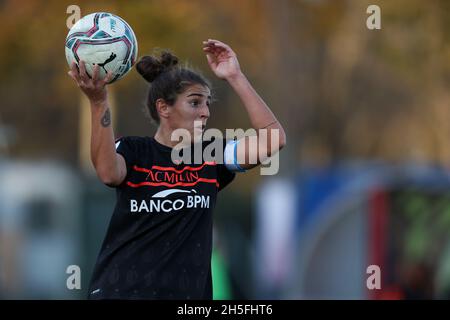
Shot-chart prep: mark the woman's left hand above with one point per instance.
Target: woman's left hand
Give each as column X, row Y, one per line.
column 221, row 59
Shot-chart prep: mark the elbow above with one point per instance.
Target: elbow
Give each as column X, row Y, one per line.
column 107, row 177
column 277, row 145
column 282, row 141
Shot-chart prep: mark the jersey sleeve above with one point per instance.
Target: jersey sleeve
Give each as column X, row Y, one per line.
column 224, row 175
column 230, row 156
column 127, row 147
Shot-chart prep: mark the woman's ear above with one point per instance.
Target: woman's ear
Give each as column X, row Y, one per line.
column 162, row 108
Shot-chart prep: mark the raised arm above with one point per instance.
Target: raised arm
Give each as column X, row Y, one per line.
column 225, row 65
column 109, row 165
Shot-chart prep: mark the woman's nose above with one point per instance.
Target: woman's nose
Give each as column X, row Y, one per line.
column 204, row 111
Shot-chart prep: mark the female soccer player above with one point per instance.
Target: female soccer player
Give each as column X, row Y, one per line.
column 159, row 241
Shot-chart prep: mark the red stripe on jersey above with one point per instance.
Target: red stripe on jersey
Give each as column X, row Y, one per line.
column 184, row 184
column 136, row 168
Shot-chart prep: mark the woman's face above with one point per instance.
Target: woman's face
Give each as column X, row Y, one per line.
column 191, row 110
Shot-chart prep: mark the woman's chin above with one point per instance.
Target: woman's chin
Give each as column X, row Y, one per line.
column 198, row 134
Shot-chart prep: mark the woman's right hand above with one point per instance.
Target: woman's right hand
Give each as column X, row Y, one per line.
column 94, row 88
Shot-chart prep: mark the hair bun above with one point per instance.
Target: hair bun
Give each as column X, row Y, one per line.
column 150, row 67
column 168, row 59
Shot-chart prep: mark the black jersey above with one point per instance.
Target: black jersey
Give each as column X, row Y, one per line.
column 159, row 241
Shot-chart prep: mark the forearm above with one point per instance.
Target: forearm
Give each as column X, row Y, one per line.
column 261, row 117
column 270, row 134
column 103, row 152
column 110, row 167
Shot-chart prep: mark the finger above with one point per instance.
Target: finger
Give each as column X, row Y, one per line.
column 208, row 44
column 215, row 42
column 74, row 71
column 83, row 74
column 214, row 50
column 211, row 60
column 108, row 78
column 208, row 49
column 72, row 76
column 96, row 72
column 218, row 43
column 74, row 67
column 222, row 47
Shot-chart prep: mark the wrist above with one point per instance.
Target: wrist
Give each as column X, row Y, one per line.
column 99, row 107
column 99, row 103
column 98, row 98
column 235, row 78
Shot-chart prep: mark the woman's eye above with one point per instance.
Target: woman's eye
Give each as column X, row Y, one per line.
column 195, row 103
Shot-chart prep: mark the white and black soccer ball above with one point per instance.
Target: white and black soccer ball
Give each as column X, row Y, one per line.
column 105, row 39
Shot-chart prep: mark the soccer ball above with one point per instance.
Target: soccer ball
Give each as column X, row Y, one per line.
column 105, row 39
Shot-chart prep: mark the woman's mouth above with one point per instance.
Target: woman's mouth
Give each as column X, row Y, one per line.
column 200, row 127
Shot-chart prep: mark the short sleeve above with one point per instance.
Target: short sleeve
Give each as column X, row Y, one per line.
column 224, row 176
column 126, row 146
column 230, row 156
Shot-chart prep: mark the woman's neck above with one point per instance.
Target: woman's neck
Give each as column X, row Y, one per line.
column 163, row 136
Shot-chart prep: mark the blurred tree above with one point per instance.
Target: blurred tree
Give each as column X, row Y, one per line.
column 342, row 91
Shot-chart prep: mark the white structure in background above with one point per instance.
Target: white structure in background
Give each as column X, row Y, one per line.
column 275, row 239
column 39, row 229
